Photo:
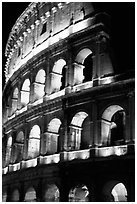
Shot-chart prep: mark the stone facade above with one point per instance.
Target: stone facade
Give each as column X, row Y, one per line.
column 68, row 119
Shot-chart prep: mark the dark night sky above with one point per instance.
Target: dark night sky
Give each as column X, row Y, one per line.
column 122, row 28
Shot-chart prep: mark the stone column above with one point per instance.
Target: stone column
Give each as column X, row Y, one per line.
column 55, row 82
column 37, row 22
column 26, row 138
column 64, row 136
column 78, row 73
column 19, row 96
column 130, row 123
column 95, row 123
column 8, row 148
column 24, row 44
column 32, row 85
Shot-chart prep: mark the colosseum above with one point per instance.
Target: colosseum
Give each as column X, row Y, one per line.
column 68, row 118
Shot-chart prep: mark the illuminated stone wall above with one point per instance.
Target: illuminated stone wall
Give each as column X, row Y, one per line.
column 65, row 109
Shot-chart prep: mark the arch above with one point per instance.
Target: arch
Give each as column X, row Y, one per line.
column 14, row 100
column 8, row 150
column 76, row 140
column 80, row 193
column 25, row 92
column 114, row 191
column 35, row 132
column 58, row 66
column 113, row 125
column 17, row 154
column 119, row 193
column 52, row 193
column 30, row 195
column 83, row 66
column 20, row 137
column 26, row 85
column 79, row 118
column 39, row 84
column 110, row 111
column 82, row 55
column 15, row 196
column 40, row 77
column 58, row 76
column 54, row 125
column 52, row 137
column 34, row 142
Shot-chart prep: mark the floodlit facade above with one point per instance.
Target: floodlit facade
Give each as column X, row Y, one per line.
column 68, row 119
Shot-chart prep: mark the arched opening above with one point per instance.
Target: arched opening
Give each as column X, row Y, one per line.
column 39, row 84
column 79, row 134
column 83, row 66
column 114, row 191
column 79, row 193
column 34, row 142
column 18, row 148
column 15, row 196
column 30, row 195
column 8, row 150
column 52, row 193
column 113, row 126
column 15, row 100
column 25, row 92
column 52, row 138
column 58, row 76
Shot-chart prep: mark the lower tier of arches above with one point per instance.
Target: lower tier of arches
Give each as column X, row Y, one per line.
column 101, row 180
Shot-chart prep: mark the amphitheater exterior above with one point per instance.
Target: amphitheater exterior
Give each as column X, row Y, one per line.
column 68, row 118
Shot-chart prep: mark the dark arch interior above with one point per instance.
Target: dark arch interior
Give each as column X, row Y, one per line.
column 117, row 131
column 88, row 70
column 63, row 78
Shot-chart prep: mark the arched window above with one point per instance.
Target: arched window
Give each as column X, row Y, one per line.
column 15, row 196
column 114, row 191
column 113, row 125
column 8, row 150
column 83, row 66
column 52, row 193
column 30, row 195
column 79, row 136
column 25, row 92
column 58, row 76
column 52, row 137
column 34, row 142
column 15, row 100
column 79, row 193
column 18, row 148
column 39, row 84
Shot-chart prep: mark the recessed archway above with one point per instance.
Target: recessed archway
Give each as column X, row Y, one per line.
column 30, row 195
column 83, row 66
column 76, row 133
column 114, row 191
column 58, row 75
column 8, row 150
column 113, row 125
column 39, row 84
column 25, row 92
column 18, row 148
column 15, row 100
column 52, row 193
column 79, row 193
column 52, row 137
column 34, row 142
column 15, row 196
